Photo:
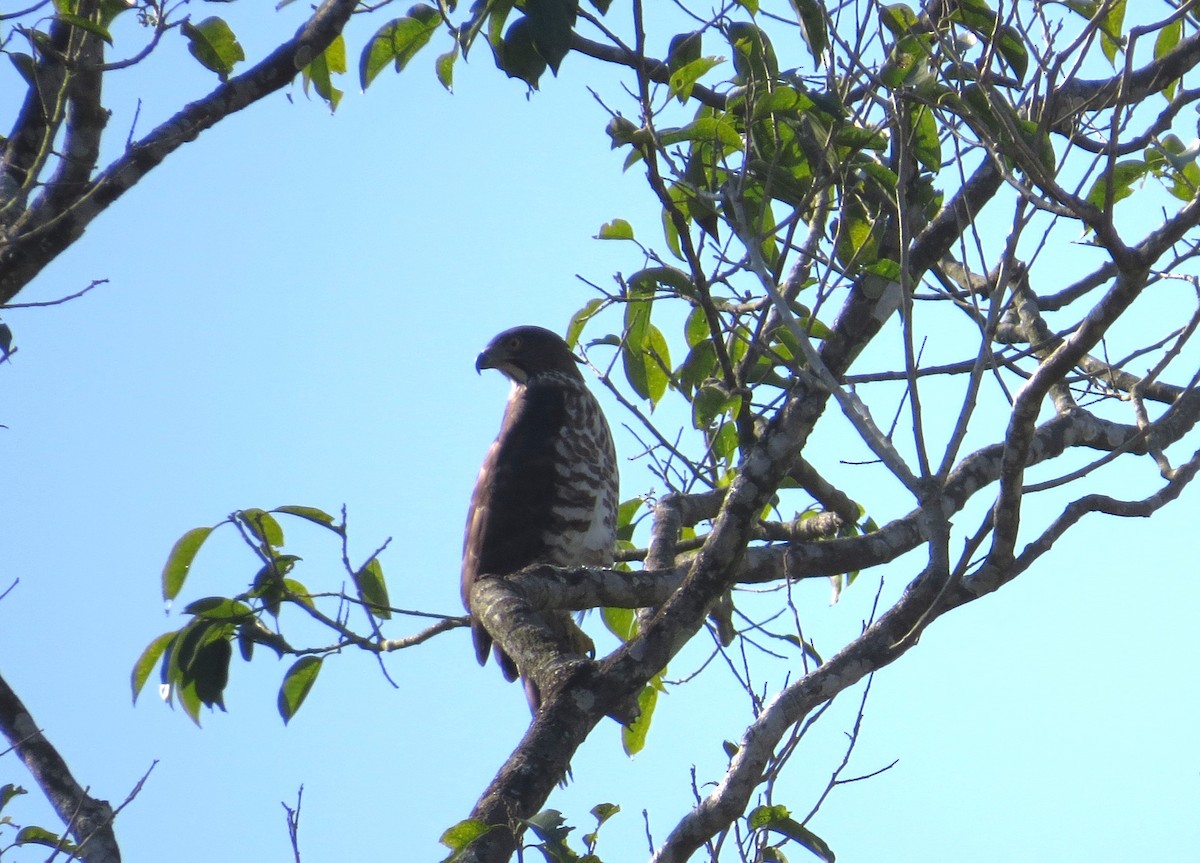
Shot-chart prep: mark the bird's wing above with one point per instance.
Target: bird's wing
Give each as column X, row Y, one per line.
column 510, row 507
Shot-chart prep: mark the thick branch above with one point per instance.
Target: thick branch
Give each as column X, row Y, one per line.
column 86, row 118
column 36, row 124
column 1066, row 102
column 88, row 820
column 51, row 229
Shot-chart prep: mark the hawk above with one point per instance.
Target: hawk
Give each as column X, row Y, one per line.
column 547, row 491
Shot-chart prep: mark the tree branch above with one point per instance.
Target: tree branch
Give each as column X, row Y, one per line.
column 51, row 227
column 88, row 820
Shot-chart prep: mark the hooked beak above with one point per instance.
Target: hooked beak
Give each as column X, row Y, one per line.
column 484, row 361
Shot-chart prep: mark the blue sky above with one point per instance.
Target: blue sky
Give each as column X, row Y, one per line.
column 293, row 307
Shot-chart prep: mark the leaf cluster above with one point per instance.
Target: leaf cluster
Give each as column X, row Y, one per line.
column 194, row 659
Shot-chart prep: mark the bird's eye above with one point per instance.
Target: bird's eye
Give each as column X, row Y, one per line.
column 514, row 343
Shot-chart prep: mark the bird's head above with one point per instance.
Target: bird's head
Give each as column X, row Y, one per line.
column 525, row 352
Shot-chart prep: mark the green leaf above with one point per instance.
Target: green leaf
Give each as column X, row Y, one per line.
column 42, row 836
column 625, row 515
column 445, row 67
column 806, row 647
column 766, row 816
column 899, row 18
column 550, row 26
column 497, row 12
column 196, row 665
column 189, row 700
column 25, row 66
column 811, row 841
column 262, row 526
column 110, row 9
column 657, row 360
column 685, row 48
column 1112, row 38
column 373, row 589
column 812, row 27
column 621, row 622
column 670, row 231
column 907, row 64
column 724, row 443
column 1084, row 8
column 617, row 229
column 246, row 640
column 778, row 819
column 634, row 337
column 699, row 365
column 296, row 685
column 179, row 561
column 753, row 56
column 721, row 129
column 1168, row 37
column 549, row 826
column 309, row 513
column 209, row 671
column 860, row 138
column 1120, row 179
column 782, row 100
column 712, row 400
column 684, row 79
column 644, row 353
column 518, row 56
column 672, row 279
column 299, row 592
column 219, row 608
column 146, row 662
column 580, row 319
column 1186, row 182
column 927, row 147
column 213, row 43
column 461, row 835
column 1176, row 162
column 84, row 24
column 601, row 812
column 633, row 735
column 268, row 587
column 320, row 72
column 696, row 329
column 1012, row 49
column 8, row 792
column 398, row 42
column 858, row 234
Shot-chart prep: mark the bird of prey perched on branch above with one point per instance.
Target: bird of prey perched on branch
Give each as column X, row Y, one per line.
column 547, row 491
